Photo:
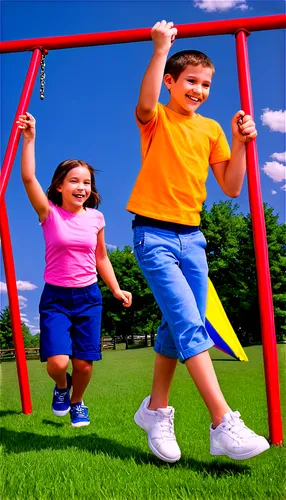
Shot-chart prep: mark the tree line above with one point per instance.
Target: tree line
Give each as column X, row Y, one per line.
column 231, row 259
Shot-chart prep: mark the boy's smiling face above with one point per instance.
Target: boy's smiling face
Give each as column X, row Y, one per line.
column 191, row 89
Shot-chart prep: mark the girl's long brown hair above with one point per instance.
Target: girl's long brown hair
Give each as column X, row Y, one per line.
column 61, row 171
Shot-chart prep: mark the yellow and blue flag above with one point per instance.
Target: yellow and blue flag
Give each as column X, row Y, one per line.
column 219, row 327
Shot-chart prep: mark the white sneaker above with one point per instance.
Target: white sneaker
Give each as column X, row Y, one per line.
column 233, row 439
column 159, row 425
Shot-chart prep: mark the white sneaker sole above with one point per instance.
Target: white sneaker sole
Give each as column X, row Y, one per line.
column 80, row 424
column 140, row 423
column 250, row 454
column 61, row 413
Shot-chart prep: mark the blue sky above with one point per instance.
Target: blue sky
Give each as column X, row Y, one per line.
column 88, row 111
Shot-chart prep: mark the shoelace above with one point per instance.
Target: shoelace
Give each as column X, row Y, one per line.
column 61, row 396
column 167, row 425
column 80, row 410
column 238, row 428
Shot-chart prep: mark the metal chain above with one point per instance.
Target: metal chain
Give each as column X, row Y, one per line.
column 42, row 77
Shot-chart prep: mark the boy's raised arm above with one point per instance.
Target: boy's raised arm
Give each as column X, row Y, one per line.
column 163, row 35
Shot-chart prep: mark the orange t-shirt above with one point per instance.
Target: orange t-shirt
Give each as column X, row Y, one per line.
column 176, row 153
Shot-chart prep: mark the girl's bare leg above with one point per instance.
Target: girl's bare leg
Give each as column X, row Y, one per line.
column 57, row 368
column 81, row 375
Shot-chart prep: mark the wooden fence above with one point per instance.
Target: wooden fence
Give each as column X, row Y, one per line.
column 106, row 344
column 31, row 353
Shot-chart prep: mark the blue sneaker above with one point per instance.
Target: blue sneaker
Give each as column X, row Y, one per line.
column 61, row 399
column 79, row 415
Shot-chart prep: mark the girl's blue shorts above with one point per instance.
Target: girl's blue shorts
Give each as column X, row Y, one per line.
column 70, row 320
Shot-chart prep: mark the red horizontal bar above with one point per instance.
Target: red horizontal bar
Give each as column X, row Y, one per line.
column 227, row 27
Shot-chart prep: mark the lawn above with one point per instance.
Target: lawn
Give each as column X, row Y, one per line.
column 43, row 457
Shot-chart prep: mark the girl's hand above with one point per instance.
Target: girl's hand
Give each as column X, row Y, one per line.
column 125, row 297
column 163, row 34
column 27, row 124
column 243, row 127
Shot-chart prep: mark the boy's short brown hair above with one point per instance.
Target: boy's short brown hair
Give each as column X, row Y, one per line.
column 179, row 61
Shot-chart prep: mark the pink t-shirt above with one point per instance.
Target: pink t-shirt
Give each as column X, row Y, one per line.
column 70, row 246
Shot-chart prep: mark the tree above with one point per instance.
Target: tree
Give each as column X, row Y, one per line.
column 231, row 259
column 6, row 339
column 143, row 317
column 276, row 242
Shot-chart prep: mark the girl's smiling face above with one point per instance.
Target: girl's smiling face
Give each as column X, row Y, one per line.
column 75, row 189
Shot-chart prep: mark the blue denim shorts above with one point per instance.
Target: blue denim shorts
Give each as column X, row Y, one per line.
column 175, row 267
column 70, row 320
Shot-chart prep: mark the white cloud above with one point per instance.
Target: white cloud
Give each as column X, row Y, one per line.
column 25, row 285
column 284, row 187
column 27, row 322
column 273, row 192
column 275, row 120
column 34, row 331
column 21, row 285
column 111, row 247
column 279, row 156
column 220, row 5
column 34, row 328
column 275, row 170
column 22, row 302
column 37, row 318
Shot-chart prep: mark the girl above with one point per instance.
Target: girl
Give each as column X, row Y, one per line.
column 71, row 302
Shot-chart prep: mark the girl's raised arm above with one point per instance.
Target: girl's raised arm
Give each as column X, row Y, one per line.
column 37, row 197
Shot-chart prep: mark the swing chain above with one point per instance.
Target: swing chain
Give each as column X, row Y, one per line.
column 42, row 77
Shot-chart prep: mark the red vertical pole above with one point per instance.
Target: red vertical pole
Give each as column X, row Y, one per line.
column 5, row 236
column 261, row 251
column 15, row 312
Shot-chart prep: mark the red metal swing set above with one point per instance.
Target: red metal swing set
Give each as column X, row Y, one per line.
column 241, row 28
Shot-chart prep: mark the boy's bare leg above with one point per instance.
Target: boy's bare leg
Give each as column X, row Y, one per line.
column 155, row 417
column 164, row 370
column 233, row 439
column 202, row 372
column 81, row 375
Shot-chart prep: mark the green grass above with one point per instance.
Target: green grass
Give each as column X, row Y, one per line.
column 43, row 457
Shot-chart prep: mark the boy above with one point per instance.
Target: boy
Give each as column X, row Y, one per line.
column 178, row 145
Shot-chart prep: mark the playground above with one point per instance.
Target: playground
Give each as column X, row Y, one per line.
column 43, row 456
